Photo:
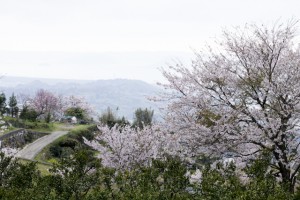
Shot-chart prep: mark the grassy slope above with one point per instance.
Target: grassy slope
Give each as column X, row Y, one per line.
column 41, row 166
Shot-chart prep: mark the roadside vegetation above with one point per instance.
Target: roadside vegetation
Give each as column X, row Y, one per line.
column 83, row 177
column 67, row 144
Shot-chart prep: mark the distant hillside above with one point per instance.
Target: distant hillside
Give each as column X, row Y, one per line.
column 126, row 95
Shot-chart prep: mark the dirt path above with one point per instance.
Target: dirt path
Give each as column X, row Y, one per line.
column 32, row 149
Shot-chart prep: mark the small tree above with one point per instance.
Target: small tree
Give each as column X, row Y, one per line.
column 45, row 103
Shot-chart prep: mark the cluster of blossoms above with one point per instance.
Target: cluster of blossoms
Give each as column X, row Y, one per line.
column 126, row 147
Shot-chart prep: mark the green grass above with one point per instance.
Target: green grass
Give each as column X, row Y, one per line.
column 48, row 128
column 55, row 126
column 79, row 128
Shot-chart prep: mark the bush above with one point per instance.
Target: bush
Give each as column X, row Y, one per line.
column 68, row 142
column 28, row 114
column 67, row 145
column 55, row 150
column 37, row 125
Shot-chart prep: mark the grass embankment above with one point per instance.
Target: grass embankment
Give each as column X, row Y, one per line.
column 66, row 144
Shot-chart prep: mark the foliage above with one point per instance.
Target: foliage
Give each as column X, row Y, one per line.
column 110, row 119
column 81, row 176
column 6, row 168
column 2, row 103
column 262, row 184
column 28, row 114
column 163, row 180
column 17, row 179
column 143, row 117
column 76, row 175
column 222, row 183
column 71, row 178
column 34, row 125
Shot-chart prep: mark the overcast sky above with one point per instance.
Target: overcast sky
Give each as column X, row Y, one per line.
column 101, row 39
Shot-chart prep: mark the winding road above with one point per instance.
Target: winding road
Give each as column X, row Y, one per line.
column 32, row 149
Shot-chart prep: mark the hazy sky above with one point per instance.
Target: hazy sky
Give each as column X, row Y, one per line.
column 101, row 39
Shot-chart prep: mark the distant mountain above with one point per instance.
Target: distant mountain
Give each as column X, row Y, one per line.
column 121, row 94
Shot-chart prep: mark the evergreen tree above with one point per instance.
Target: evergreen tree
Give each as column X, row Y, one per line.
column 13, row 105
column 2, row 103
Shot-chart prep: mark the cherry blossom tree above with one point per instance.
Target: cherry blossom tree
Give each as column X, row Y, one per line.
column 126, row 147
column 242, row 96
column 44, row 103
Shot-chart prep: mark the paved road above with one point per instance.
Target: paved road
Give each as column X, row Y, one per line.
column 32, row 149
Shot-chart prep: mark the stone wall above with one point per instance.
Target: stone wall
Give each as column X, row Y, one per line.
column 19, row 138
